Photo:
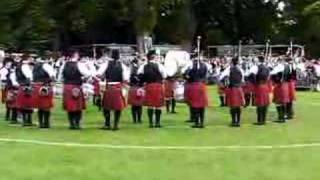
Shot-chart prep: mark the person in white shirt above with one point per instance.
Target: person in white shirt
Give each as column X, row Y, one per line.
column 72, row 75
column 43, row 76
column 152, row 75
column 25, row 100
column 116, row 75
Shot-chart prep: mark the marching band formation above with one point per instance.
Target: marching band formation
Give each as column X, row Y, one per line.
column 30, row 83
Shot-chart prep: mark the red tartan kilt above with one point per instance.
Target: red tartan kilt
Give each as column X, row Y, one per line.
column 248, row 88
column 292, row 91
column 71, row 104
column 113, row 98
column 281, row 93
column 42, row 102
column 3, row 96
column 197, row 95
column 234, row 97
column 96, row 88
column 169, row 89
column 154, row 96
column 13, row 102
column 25, row 101
column 261, row 95
column 221, row 90
column 134, row 98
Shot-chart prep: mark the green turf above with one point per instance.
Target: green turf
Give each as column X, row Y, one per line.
column 37, row 162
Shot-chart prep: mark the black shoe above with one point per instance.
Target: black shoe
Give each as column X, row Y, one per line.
column 158, row 126
column 260, row 123
column 195, row 126
column 115, row 129
column 201, row 126
column 106, row 128
column 151, row 126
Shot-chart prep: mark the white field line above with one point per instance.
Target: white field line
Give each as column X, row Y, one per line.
column 138, row 147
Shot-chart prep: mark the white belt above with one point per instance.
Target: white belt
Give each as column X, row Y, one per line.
column 113, row 83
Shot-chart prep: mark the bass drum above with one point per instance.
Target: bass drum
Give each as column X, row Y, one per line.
column 176, row 62
column 179, row 92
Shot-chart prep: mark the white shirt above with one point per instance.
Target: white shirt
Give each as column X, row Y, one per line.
column 3, row 73
column 82, row 67
column 27, row 72
column 125, row 71
column 278, row 68
column 49, row 69
column 160, row 66
column 226, row 73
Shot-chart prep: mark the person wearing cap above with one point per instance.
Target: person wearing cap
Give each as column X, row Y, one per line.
column 73, row 74
column 281, row 95
column 25, row 99
column 261, row 90
column 116, row 75
column 43, row 77
column 234, row 93
column 196, row 92
column 4, row 74
column 136, row 93
column 152, row 74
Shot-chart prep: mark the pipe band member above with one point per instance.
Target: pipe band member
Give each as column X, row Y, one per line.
column 25, row 97
column 196, row 93
column 234, row 94
column 43, row 77
column 261, row 72
column 116, row 75
column 136, row 93
column 152, row 75
column 281, row 95
column 73, row 73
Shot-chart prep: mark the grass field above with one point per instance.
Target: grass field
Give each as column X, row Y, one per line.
column 222, row 160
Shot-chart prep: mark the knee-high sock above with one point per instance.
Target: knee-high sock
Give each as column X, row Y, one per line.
column 173, row 105
column 238, row 115
column 202, row 116
column 139, row 113
column 158, row 117
column 150, row 116
column 259, row 114
column 222, row 104
column 78, row 117
column 29, row 116
column 233, row 116
column 106, row 114
column 47, row 115
column 117, row 115
column 24, row 117
column 94, row 100
column 265, row 112
column 289, row 110
column 41, row 118
column 195, row 116
column 71, row 118
column 134, row 113
column 280, row 110
column 247, row 98
column 168, row 106
column 14, row 115
column 8, row 113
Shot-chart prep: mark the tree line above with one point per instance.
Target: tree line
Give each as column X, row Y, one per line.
column 59, row 24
